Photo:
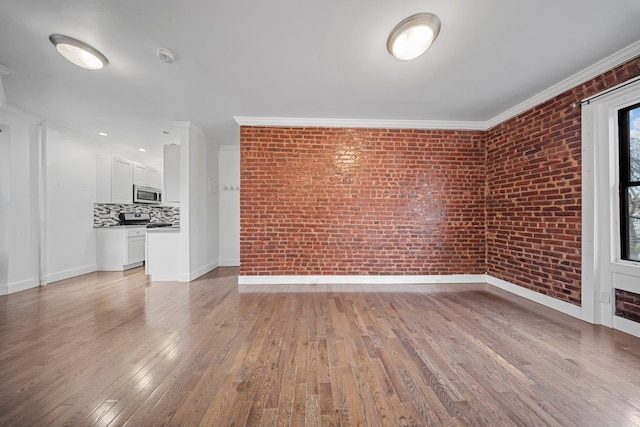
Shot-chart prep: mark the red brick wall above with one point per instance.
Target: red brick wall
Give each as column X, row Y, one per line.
column 628, row 305
column 534, row 192
column 358, row 201
column 361, row 202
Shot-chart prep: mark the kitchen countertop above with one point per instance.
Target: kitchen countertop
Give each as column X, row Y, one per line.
column 175, row 227
column 121, row 226
column 163, row 229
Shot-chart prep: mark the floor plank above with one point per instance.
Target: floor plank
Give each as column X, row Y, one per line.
column 113, row 349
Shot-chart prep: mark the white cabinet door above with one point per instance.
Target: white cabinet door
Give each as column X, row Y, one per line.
column 135, row 249
column 146, row 176
column 121, row 181
column 115, row 178
column 120, row 248
column 140, row 174
column 153, row 177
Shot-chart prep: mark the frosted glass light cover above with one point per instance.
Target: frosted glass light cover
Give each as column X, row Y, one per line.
column 413, row 36
column 78, row 53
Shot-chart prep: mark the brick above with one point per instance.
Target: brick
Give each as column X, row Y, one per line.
column 399, row 201
column 506, row 201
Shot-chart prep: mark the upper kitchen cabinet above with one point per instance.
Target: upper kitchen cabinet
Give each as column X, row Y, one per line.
column 114, row 180
column 146, row 176
column 172, row 173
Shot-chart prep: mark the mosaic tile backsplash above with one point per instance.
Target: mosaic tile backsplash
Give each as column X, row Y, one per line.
column 106, row 214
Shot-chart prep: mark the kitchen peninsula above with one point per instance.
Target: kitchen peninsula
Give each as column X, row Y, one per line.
column 163, row 253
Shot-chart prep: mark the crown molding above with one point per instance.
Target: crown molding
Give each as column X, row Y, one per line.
column 357, row 123
column 6, row 108
column 618, row 58
column 57, row 127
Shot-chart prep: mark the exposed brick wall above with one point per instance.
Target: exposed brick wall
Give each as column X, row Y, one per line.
column 534, row 192
column 628, row 305
column 361, row 202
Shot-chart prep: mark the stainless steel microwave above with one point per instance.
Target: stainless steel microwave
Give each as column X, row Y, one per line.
column 146, row 194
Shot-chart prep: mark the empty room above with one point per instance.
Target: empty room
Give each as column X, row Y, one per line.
column 363, row 213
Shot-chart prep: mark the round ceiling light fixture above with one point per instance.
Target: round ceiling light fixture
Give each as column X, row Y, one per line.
column 413, row 36
column 78, row 53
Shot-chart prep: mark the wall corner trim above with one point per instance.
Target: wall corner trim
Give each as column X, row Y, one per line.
column 67, row 274
column 19, row 286
column 360, row 279
column 194, row 274
column 547, row 301
column 627, row 326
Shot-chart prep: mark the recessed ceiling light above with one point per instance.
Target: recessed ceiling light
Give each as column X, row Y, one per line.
column 102, row 134
column 142, row 149
column 79, row 53
column 413, row 36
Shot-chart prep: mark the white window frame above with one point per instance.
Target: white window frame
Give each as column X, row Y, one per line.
column 603, row 270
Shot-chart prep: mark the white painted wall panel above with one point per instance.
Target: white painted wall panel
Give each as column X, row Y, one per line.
column 19, row 268
column 229, row 190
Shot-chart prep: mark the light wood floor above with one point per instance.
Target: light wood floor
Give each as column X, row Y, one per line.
column 114, row 349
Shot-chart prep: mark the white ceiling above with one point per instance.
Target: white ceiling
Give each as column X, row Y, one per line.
column 294, row 59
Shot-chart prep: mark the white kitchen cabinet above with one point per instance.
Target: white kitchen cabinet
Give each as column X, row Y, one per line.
column 114, row 180
column 172, row 173
column 135, row 245
column 163, row 254
column 120, row 248
column 146, row 176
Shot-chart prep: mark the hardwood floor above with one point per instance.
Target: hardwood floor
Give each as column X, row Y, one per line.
column 113, row 349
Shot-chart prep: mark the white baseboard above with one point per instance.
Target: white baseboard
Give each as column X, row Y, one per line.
column 360, row 280
column 61, row 275
column 18, row 286
column 229, row 262
column 625, row 325
column 193, row 275
column 547, row 301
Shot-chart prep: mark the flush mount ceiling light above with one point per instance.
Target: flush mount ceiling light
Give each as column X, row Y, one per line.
column 413, row 36
column 78, row 53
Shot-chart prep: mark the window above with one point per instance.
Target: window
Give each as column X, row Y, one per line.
column 629, row 126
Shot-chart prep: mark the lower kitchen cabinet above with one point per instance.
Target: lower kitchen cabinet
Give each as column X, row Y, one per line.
column 163, row 254
column 120, row 248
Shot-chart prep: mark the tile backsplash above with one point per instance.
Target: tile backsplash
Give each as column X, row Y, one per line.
column 106, row 214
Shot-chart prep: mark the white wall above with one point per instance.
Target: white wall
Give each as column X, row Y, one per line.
column 198, row 203
column 70, row 194
column 228, row 188
column 19, row 228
